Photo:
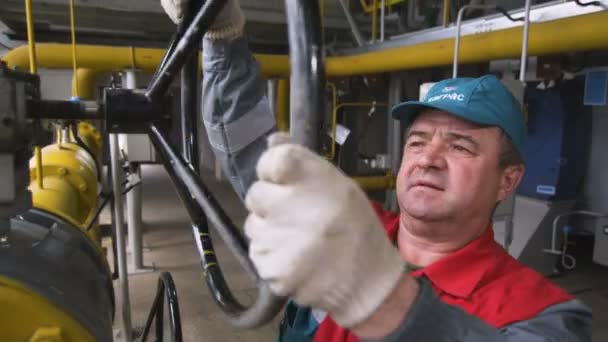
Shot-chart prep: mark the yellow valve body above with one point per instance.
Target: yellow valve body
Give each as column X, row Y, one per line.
column 70, row 189
column 45, row 321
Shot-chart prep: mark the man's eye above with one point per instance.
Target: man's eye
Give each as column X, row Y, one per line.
column 415, row 143
column 460, row 148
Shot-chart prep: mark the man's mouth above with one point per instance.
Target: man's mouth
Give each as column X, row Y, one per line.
column 427, row 184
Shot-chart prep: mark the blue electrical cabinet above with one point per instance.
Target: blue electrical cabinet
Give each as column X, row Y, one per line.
column 559, row 135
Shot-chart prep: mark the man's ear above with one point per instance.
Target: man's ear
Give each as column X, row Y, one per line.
column 510, row 179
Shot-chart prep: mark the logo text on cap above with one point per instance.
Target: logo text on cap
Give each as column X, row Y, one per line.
column 452, row 96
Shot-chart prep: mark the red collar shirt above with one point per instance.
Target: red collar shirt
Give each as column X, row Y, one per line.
column 480, row 293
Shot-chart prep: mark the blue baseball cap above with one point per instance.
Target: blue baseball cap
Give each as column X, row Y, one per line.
column 484, row 101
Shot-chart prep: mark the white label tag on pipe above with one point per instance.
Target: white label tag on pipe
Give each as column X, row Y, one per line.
column 342, row 134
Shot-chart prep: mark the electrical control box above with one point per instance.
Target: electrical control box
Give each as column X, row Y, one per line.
column 558, row 141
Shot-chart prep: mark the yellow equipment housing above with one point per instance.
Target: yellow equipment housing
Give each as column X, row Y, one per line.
column 70, row 180
column 55, row 281
column 45, row 322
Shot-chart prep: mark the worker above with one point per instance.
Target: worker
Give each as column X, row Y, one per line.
column 433, row 271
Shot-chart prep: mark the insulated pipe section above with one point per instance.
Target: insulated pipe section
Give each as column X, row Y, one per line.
column 195, row 195
column 187, row 43
column 307, row 72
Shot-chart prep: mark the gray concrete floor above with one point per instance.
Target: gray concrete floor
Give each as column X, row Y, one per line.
column 168, row 244
column 170, row 247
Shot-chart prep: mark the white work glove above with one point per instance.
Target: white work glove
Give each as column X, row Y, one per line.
column 228, row 24
column 315, row 236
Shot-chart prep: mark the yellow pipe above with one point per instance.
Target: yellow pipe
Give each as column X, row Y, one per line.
column 580, row 33
column 75, row 89
column 322, row 13
column 446, row 12
column 371, row 183
column 31, row 43
column 374, row 20
column 370, row 7
column 283, row 105
column 31, row 40
column 83, row 82
column 110, row 58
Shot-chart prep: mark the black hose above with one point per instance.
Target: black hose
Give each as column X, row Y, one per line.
column 106, row 200
column 199, row 202
column 592, row 3
column 166, row 289
column 506, row 14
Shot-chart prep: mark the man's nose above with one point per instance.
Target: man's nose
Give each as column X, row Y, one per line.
column 432, row 156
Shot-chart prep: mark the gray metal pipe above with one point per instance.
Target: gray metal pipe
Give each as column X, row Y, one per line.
column 351, row 22
column 134, row 200
column 307, row 80
column 394, row 144
column 119, row 226
column 524, row 49
column 271, row 93
column 382, row 19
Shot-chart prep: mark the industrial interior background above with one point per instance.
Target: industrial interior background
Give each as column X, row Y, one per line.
column 379, row 53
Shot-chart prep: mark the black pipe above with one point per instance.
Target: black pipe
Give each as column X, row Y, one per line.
column 187, row 43
column 212, row 272
column 194, row 7
column 306, row 54
column 189, row 105
column 194, row 194
column 200, row 227
column 165, row 289
column 199, row 201
column 60, row 110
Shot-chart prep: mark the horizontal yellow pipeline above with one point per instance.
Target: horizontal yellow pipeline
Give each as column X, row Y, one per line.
column 109, row 58
column 580, row 33
column 371, row 183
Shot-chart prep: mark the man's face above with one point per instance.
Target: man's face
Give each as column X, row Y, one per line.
column 449, row 170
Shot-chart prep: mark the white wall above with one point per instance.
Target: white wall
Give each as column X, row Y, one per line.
column 55, row 84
